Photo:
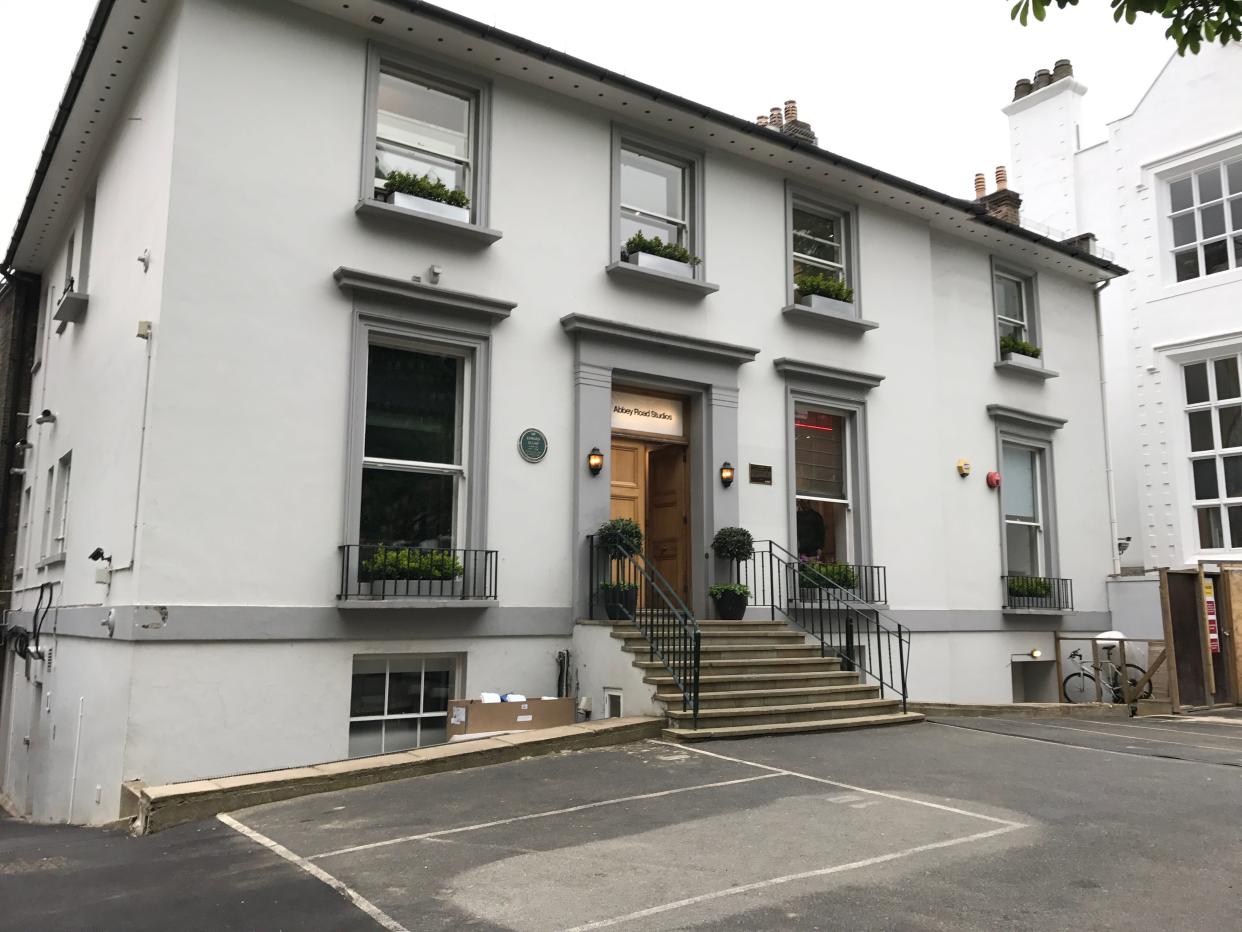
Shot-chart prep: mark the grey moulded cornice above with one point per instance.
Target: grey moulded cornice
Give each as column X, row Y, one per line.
column 580, row 325
column 423, row 294
column 813, row 371
column 1016, row 417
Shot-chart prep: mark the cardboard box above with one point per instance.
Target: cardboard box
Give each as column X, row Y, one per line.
column 472, row 716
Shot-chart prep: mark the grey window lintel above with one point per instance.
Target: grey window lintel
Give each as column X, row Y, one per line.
column 847, row 380
column 424, row 294
column 628, row 272
column 576, row 324
column 1026, row 420
column 485, row 236
column 832, row 320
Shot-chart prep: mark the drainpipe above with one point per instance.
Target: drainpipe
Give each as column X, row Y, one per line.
column 1108, row 447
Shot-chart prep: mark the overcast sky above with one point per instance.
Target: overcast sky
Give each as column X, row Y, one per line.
column 913, row 87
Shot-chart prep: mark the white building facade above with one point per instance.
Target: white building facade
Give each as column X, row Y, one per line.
column 318, row 372
column 1164, row 192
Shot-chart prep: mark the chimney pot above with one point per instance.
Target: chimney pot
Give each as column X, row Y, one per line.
column 762, row 119
column 1042, row 79
column 1062, row 69
column 981, row 186
column 1002, row 178
column 1022, row 88
column 774, row 119
column 791, row 111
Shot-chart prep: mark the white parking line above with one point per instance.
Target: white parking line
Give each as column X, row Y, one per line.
column 789, row 878
column 1111, row 734
column 1180, row 731
column 537, row 815
column 381, row 917
column 781, row 771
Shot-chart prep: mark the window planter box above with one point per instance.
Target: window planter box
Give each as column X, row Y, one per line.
column 645, row 260
column 1019, row 359
column 410, row 589
column 435, row 208
column 819, row 302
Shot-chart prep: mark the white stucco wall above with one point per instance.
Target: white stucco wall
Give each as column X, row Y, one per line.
column 1119, row 188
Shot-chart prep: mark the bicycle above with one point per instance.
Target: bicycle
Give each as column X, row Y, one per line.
column 1080, row 685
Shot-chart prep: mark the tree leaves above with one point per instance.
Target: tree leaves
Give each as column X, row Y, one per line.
column 1191, row 22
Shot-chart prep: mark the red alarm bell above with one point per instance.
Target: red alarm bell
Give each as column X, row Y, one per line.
column 993, row 480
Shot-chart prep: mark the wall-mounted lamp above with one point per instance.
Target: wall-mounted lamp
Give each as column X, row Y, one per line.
column 1036, row 653
column 726, row 474
column 595, row 461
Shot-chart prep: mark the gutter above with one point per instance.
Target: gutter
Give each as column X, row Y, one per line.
column 737, row 124
column 86, row 55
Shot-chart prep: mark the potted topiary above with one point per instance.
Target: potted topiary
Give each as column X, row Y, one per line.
column 1020, row 352
column 730, row 600
column 654, row 253
column 620, row 600
column 735, row 545
column 824, row 293
column 427, row 195
column 393, row 569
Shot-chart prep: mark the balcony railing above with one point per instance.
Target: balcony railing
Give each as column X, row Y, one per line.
column 1039, row 593
column 393, row 571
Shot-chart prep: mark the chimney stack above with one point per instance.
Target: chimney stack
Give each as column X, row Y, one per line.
column 1002, row 203
column 775, row 118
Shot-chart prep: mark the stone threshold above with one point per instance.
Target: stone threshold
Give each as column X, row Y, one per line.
column 1020, row 709
column 156, row 808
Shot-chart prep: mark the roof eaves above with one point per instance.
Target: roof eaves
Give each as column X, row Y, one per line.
column 86, row 54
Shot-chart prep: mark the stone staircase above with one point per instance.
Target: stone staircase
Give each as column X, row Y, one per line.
column 762, row 678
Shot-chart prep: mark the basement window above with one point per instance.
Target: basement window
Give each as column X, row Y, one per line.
column 399, row 702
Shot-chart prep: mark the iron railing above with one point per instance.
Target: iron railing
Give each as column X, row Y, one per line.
column 1048, row 593
column 845, row 623
column 626, row 587
column 393, row 571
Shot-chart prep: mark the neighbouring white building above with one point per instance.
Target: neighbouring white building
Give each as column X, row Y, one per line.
column 258, row 369
column 1164, row 192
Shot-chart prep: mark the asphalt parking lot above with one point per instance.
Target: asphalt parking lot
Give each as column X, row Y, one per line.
column 969, row 826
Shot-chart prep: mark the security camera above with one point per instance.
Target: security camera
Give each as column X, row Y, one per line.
column 47, row 417
column 98, row 554
column 21, row 446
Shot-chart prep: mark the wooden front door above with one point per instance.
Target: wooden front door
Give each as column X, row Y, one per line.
column 668, row 522
column 650, row 486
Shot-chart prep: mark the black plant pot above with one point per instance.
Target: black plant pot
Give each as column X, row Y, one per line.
column 620, row 604
column 730, row 606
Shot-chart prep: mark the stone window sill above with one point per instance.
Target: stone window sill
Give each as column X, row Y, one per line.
column 54, row 560
column 483, row 236
column 1040, row 374
column 419, row 603
column 627, row 272
column 831, row 320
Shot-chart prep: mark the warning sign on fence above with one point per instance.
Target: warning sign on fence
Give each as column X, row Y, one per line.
column 1209, row 606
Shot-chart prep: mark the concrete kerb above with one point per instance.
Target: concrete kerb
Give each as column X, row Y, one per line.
column 161, row 807
column 1021, row 710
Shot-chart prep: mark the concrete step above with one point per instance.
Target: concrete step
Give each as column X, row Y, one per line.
column 712, row 627
column 789, row 728
column 740, row 715
column 744, row 665
column 755, row 698
column 732, row 651
column 760, row 681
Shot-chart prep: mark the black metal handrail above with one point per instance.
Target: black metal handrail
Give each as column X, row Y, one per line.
column 1049, row 593
column 395, row 571
column 627, row 587
column 845, row 624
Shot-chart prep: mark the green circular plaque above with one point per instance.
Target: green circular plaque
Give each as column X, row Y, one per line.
column 532, row 445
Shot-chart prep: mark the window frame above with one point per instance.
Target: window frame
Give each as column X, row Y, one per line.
column 1039, row 482
column 692, row 162
column 1231, row 236
column 816, row 202
column 458, row 670
column 60, row 507
column 436, row 333
column 1222, row 502
column 1029, row 280
column 847, row 414
column 440, row 77
column 1033, row 431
